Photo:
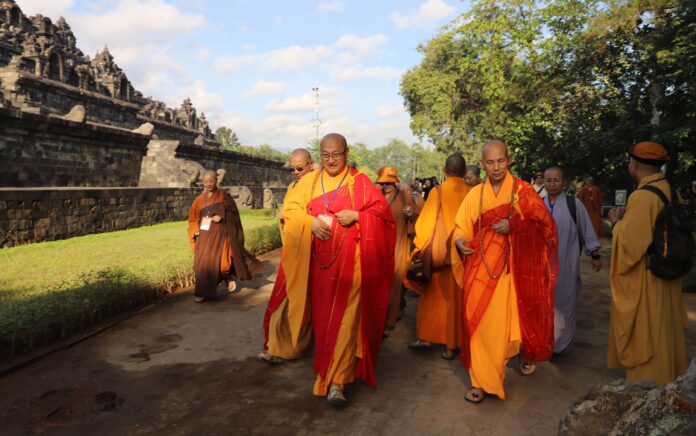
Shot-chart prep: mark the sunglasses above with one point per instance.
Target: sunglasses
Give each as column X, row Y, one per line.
column 298, row 168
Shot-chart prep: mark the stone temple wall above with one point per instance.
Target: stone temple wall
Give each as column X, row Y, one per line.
column 40, row 150
column 36, row 215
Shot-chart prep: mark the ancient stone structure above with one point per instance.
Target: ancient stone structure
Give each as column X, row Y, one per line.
column 68, row 120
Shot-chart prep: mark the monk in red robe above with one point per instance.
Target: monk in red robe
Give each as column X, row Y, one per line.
column 507, row 239
column 591, row 197
column 338, row 253
column 217, row 239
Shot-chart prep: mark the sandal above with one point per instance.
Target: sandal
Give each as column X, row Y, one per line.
column 199, row 299
column 527, row 367
column 232, row 287
column 336, row 397
column 475, row 395
column 420, row 344
column 267, row 358
column 447, row 354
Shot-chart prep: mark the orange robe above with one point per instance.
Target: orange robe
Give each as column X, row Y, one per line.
column 438, row 319
column 277, row 334
column 515, row 307
column 347, row 278
column 402, row 250
column 591, row 197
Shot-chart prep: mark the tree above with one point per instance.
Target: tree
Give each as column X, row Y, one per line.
column 227, row 138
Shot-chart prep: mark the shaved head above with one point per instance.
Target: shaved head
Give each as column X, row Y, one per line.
column 300, row 163
column 334, row 137
column 552, row 170
column 493, row 144
column 455, row 165
column 209, row 179
column 301, row 153
column 209, row 173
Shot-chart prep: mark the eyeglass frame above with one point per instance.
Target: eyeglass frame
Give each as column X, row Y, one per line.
column 326, row 157
column 298, row 169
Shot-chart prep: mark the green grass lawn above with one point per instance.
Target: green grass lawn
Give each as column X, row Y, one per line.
column 57, row 288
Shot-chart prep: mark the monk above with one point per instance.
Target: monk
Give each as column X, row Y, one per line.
column 575, row 233
column 648, row 316
column 591, row 197
column 338, row 253
column 400, row 201
column 439, row 310
column 507, row 242
column 278, row 343
column 217, row 239
column 472, row 177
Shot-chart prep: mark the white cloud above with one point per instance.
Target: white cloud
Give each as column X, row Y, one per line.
column 266, row 88
column 429, row 15
column 330, row 6
column 302, row 103
column 53, row 9
column 203, row 54
column 356, row 48
column 385, row 111
column 295, row 57
column 349, row 73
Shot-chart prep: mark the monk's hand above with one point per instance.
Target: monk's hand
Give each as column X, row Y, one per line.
column 596, row 264
column 502, row 226
column 347, row 217
column 217, row 218
column 462, row 248
column 320, row 229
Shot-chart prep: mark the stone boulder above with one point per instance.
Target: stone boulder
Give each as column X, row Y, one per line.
column 624, row 408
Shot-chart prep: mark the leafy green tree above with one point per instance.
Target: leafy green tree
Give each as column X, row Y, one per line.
column 227, row 138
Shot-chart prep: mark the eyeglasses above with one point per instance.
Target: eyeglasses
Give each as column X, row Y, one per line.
column 298, row 169
column 539, row 176
column 335, row 155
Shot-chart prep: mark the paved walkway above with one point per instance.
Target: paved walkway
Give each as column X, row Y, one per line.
column 184, row 368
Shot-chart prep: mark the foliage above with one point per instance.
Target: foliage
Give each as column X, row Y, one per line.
column 563, row 82
column 228, row 141
column 227, row 138
column 54, row 289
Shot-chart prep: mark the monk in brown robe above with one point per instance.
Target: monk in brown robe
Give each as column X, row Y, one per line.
column 217, row 239
column 278, row 342
column 439, row 309
column 591, row 197
column 648, row 317
column 400, row 199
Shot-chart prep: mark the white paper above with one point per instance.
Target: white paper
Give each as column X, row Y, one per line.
column 205, row 223
column 327, row 219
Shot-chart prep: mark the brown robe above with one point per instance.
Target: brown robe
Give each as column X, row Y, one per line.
column 218, row 252
column 591, row 197
column 402, row 251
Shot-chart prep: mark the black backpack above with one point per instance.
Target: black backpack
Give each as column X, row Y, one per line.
column 671, row 254
column 570, row 201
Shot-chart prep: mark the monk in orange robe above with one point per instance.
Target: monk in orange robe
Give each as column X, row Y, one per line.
column 591, row 197
column 438, row 319
column 278, row 343
column 338, row 254
column 508, row 241
column 217, row 239
column 400, row 199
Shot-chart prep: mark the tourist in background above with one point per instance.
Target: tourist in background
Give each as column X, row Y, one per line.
column 575, row 232
column 217, row 239
column 438, row 319
column 538, row 183
column 472, row 177
column 648, row 316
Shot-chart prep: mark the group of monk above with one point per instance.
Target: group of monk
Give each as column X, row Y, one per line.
column 503, row 258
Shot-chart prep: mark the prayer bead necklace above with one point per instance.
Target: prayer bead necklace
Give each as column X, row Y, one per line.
column 345, row 229
column 480, row 235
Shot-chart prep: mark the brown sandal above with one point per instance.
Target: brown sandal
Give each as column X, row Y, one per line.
column 475, row 395
column 527, row 367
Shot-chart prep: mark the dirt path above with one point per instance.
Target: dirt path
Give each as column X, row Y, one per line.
column 184, row 368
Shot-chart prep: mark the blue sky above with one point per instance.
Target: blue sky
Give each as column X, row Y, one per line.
column 251, row 65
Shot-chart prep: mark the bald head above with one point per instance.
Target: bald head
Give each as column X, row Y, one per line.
column 494, row 144
column 334, row 153
column 300, row 162
column 455, row 165
column 331, row 137
column 472, row 176
column 209, row 179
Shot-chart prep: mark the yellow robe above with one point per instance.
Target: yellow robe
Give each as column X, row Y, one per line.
column 280, row 343
column 498, row 336
column 296, row 261
column 648, row 316
column 438, row 319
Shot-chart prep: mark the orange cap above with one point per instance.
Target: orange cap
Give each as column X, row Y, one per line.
column 649, row 152
column 387, row 175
